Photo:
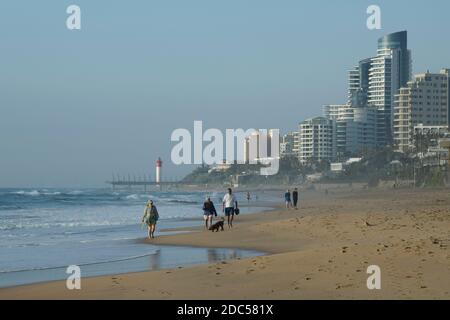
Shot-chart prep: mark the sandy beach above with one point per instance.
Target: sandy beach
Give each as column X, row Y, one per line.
column 320, row 251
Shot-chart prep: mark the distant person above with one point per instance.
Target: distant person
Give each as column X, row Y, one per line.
column 295, row 198
column 287, row 199
column 208, row 212
column 248, row 197
column 150, row 218
column 229, row 205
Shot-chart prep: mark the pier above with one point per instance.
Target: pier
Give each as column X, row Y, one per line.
column 144, row 182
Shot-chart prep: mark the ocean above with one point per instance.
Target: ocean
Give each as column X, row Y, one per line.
column 43, row 231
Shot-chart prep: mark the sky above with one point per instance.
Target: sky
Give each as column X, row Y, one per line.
column 79, row 105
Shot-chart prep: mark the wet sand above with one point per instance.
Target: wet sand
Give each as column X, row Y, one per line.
column 321, row 251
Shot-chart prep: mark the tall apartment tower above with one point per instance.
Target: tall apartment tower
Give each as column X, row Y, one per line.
column 317, row 140
column 390, row 70
column 358, row 83
column 423, row 102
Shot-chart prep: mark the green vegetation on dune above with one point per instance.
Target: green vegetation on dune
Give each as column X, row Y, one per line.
column 378, row 165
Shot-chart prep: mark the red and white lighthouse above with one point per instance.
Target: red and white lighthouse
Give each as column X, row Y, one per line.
column 158, row 170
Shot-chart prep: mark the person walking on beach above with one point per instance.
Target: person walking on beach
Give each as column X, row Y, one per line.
column 248, row 197
column 208, row 212
column 150, row 218
column 287, row 199
column 295, row 198
column 229, row 205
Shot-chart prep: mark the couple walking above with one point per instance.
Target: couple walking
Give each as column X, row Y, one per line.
column 287, row 198
column 229, row 207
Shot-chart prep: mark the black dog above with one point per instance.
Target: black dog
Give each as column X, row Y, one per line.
column 218, row 225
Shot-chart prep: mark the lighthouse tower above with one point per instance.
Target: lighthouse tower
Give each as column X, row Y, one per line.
column 158, row 170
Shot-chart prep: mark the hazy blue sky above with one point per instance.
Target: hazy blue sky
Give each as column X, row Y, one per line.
column 76, row 106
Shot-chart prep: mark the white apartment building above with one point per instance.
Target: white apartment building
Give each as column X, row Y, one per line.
column 317, row 140
column 355, row 129
column 289, row 144
column 383, row 84
column 423, row 103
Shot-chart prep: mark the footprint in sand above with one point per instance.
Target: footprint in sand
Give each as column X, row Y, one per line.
column 165, row 293
column 343, row 286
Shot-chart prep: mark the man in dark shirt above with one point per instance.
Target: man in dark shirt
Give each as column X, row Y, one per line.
column 295, row 198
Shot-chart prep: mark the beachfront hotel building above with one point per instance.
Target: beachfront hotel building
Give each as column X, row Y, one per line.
column 421, row 107
column 317, row 140
column 355, row 129
column 389, row 71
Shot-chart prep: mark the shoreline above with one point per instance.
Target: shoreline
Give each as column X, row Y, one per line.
column 134, row 263
column 45, row 274
column 321, row 251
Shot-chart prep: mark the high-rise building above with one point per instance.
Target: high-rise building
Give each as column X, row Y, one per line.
column 447, row 72
column 317, row 140
column 258, row 145
column 355, row 129
column 389, row 71
column 296, row 149
column 424, row 102
column 251, row 147
column 287, row 145
column 366, row 121
column 358, row 83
